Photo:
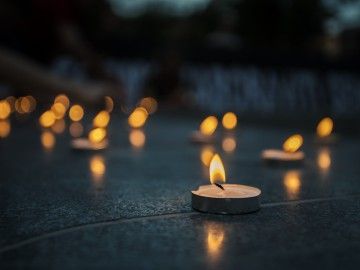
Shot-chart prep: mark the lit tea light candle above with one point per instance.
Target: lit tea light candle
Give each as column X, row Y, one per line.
column 223, row 198
column 324, row 131
column 96, row 141
column 289, row 154
column 206, row 131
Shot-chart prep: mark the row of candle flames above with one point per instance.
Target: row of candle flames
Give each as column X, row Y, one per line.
column 52, row 121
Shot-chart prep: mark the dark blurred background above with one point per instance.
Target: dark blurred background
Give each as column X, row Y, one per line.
column 261, row 58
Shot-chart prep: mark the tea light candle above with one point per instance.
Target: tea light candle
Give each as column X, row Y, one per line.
column 324, row 131
column 289, row 154
column 206, row 131
column 95, row 141
column 224, row 198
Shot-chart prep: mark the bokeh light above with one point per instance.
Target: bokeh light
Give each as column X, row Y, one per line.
column 229, row 144
column 76, row 129
column 324, row 160
column 325, row 127
column 229, row 120
column 59, row 126
column 5, row 128
column 137, row 138
column 47, row 119
column 102, row 119
column 59, row 110
column 149, row 104
column 206, row 155
column 97, row 135
column 97, row 168
column 293, row 143
column 48, row 140
column 76, row 113
column 109, row 104
column 208, row 125
column 11, row 100
column 5, row 109
column 63, row 99
column 138, row 117
column 292, row 183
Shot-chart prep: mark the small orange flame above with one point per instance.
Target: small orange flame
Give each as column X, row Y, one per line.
column 63, row 99
column 229, row 120
column 293, row 143
column 76, row 113
column 102, row 119
column 208, row 125
column 5, row 109
column 97, row 135
column 138, row 117
column 216, row 169
column 47, row 119
column 325, row 127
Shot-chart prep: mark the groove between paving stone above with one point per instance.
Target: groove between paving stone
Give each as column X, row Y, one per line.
column 154, row 217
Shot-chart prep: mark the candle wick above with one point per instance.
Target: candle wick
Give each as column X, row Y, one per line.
column 219, row 186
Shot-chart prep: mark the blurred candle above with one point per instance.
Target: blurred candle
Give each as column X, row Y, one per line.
column 138, row 117
column 63, row 99
column 102, row 119
column 47, row 119
column 325, row 127
column 229, row 120
column 76, row 113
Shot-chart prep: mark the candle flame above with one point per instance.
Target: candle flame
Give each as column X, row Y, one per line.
column 102, row 119
column 325, row 127
column 208, row 125
column 97, row 135
column 138, row 117
column 293, row 143
column 229, row 120
column 47, row 119
column 76, row 113
column 5, row 109
column 216, row 169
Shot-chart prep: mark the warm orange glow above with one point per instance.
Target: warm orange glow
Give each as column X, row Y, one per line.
column 208, row 125
column 229, row 120
column 324, row 160
column 76, row 129
column 59, row 126
column 293, row 143
column 216, row 169
column 102, row 119
column 76, row 113
column 11, row 100
column 47, row 119
column 97, row 167
column 97, row 135
column 59, row 110
column 138, row 117
column 5, row 128
column 5, row 109
column 26, row 104
column 109, row 104
column 63, row 99
column 292, row 183
column 137, row 138
column 229, row 144
column 207, row 154
column 215, row 238
column 48, row 140
column 325, row 127
column 149, row 104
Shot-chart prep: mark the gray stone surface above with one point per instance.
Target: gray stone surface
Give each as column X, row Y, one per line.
column 44, row 192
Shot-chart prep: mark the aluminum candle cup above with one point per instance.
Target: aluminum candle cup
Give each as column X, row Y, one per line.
column 84, row 144
column 289, row 154
column 234, row 199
